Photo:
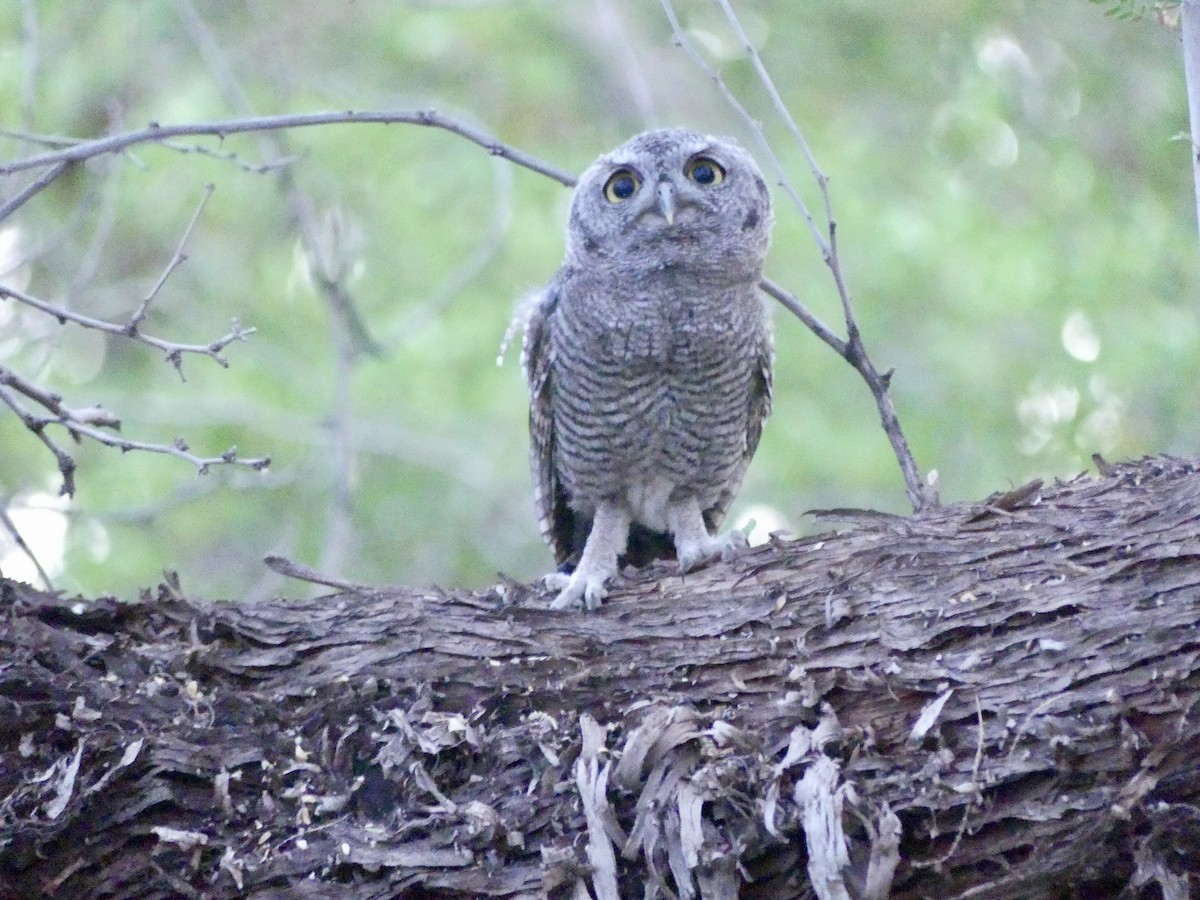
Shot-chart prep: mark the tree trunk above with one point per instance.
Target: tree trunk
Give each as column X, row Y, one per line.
column 984, row 700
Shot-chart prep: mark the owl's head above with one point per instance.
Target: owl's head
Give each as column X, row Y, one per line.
column 672, row 198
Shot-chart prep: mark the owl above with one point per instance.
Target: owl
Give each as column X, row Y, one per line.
column 648, row 358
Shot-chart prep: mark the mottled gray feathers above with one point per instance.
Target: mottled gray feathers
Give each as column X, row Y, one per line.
column 648, row 359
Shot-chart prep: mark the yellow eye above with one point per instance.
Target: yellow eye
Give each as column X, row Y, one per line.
column 704, row 170
column 621, row 185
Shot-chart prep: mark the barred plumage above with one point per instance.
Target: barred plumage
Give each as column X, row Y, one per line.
column 649, row 358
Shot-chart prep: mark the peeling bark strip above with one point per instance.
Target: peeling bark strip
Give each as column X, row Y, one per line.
column 990, row 700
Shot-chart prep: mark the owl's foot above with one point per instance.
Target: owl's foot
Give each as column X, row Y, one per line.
column 609, row 534
column 576, row 587
column 694, row 553
column 693, row 544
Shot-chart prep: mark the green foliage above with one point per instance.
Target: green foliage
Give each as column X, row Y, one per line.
column 1014, row 221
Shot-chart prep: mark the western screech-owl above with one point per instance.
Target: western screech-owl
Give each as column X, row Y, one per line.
column 648, row 358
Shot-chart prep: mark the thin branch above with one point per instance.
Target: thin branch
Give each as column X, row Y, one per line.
column 290, row 569
column 93, row 415
column 800, row 311
column 852, row 349
column 44, row 140
column 15, row 533
column 685, row 43
column 829, row 248
column 255, row 168
column 174, row 351
column 66, row 464
column 87, row 423
column 156, row 133
column 33, row 188
column 780, row 107
column 177, row 259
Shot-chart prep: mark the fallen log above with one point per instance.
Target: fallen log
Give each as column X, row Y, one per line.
column 998, row 700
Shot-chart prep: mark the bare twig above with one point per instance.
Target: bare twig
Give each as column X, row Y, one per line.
column 15, row 534
column 66, row 464
column 920, row 494
column 174, row 351
column 301, row 572
column 156, row 133
column 33, row 188
column 87, row 423
column 43, row 140
column 800, row 311
column 685, row 43
column 176, row 260
column 780, row 107
column 256, row 168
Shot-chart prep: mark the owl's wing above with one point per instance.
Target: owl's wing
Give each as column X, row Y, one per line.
column 760, row 408
column 760, row 393
column 555, row 518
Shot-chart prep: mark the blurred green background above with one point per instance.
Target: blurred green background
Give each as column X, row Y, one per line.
column 1016, row 222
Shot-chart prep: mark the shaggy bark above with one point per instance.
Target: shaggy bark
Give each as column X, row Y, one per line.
column 984, row 700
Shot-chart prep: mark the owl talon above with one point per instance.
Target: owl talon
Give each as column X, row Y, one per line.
column 556, row 581
column 576, row 588
column 733, row 543
column 726, row 546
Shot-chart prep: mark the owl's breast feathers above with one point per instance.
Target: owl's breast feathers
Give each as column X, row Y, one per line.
column 636, row 382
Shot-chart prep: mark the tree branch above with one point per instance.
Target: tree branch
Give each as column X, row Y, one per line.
column 1000, row 706
column 18, row 540
column 174, row 351
column 177, row 259
column 156, row 133
column 784, row 180
column 33, row 188
column 920, row 493
column 87, row 423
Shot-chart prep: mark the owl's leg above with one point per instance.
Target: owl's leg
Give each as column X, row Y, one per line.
column 609, row 534
column 693, row 544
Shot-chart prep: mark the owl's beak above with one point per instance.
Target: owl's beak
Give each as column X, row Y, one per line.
column 666, row 201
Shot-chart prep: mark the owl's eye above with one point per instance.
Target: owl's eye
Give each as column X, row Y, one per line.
column 704, row 170
column 621, row 185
